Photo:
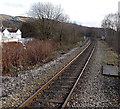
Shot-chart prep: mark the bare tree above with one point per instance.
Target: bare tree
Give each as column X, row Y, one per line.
column 110, row 25
column 48, row 15
column 47, row 11
column 110, row 21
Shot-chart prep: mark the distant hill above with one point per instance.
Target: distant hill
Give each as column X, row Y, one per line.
column 13, row 21
column 4, row 17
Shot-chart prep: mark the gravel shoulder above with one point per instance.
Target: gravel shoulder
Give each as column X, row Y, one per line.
column 94, row 89
column 16, row 89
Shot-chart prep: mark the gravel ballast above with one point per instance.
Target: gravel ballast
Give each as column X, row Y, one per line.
column 95, row 89
column 17, row 89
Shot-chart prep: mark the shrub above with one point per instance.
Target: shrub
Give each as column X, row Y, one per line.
column 16, row 55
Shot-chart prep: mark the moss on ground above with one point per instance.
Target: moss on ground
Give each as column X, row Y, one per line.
column 111, row 56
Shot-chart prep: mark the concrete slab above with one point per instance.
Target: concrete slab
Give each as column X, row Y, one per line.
column 110, row 70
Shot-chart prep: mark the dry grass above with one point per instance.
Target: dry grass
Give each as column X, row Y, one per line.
column 111, row 56
column 15, row 56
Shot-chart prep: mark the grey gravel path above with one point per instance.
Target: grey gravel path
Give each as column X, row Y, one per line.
column 94, row 89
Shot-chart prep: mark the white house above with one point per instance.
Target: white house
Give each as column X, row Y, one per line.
column 6, row 34
column 18, row 34
column 10, row 35
column 1, row 35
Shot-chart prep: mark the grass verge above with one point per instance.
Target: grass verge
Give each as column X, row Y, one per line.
column 111, row 56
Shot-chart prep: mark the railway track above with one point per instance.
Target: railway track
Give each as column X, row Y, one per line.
column 57, row 91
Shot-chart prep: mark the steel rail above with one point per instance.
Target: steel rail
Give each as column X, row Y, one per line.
column 29, row 100
column 69, row 95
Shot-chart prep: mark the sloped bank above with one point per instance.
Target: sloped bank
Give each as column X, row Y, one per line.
column 17, row 89
column 110, row 63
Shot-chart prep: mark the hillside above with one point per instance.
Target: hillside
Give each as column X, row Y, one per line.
column 4, row 17
column 12, row 21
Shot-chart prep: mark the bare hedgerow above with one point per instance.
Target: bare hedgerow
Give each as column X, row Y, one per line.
column 16, row 56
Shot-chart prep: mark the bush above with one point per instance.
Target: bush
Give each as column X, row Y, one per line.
column 15, row 56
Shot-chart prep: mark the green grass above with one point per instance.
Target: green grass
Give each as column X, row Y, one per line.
column 111, row 56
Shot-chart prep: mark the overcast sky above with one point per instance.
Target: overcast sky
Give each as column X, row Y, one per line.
column 85, row 12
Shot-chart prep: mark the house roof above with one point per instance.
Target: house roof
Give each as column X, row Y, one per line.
column 11, row 30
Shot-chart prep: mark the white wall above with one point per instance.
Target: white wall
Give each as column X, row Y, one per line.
column 1, row 36
column 18, row 34
column 7, row 34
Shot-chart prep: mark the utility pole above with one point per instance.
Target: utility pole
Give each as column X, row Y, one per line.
column 1, row 25
column 1, row 34
column 118, row 36
column 0, row 63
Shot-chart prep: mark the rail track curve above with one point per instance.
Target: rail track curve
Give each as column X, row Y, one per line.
column 58, row 90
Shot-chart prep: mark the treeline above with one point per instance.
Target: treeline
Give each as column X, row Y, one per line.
column 50, row 23
column 52, row 30
column 110, row 25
